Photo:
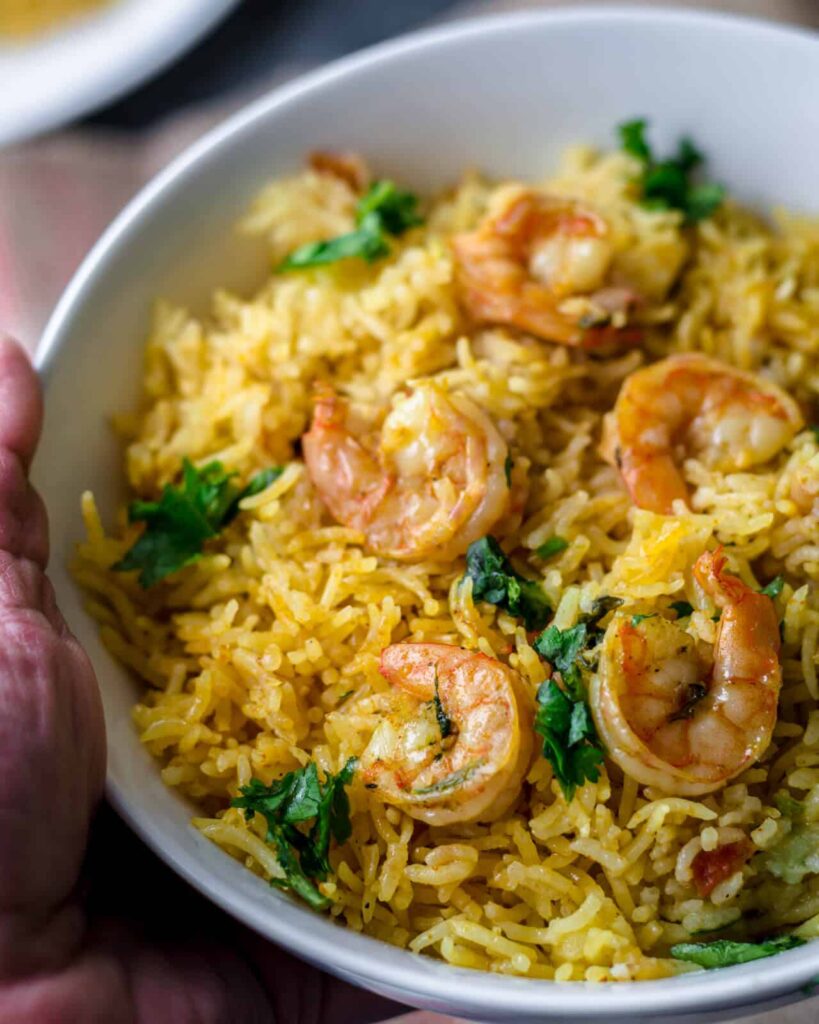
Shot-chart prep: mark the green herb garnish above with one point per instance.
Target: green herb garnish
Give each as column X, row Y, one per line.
column 725, row 953
column 561, row 648
column 796, row 854
column 177, row 526
column 553, row 546
column 682, row 608
column 814, row 428
column 443, row 720
column 287, row 805
column 694, row 694
column 507, row 469
column 667, row 184
column 637, row 619
column 791, row 808
column 570, row 742
column 774, row 588
column 451, row 781
column 383, row 211
column 494, row 580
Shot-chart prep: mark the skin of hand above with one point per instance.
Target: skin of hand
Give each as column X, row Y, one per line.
column 92, row 927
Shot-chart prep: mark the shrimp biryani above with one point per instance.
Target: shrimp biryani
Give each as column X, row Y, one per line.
column 471, row 568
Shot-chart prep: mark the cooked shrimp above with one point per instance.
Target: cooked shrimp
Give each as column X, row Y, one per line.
column 667, row 720
column 348, row 167
column 540, row 263
column 730, row 418
column 433, row 482
column 458, row 741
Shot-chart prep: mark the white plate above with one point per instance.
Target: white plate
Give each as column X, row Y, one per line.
column 71, row 70
column 506, row 94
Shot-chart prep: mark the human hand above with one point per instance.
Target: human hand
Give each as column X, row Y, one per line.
column 92, row 927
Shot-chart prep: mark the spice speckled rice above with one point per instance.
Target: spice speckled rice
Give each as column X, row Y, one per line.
column 264, row 654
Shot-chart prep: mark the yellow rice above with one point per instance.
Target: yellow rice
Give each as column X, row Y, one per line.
column 264, row 654
column 24, row 17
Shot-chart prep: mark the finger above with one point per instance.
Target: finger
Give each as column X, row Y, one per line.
column 23, row 522
column 118, row 978
column 21, row 401
column 302, row 993
column 23, row 519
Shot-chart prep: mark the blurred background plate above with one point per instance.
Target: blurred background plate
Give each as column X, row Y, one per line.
column 82, row 64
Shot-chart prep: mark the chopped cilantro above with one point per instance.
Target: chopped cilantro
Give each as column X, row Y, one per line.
column 451, row 781
column 725, row 953
column 600, row 608
column 791, row 808
column 177, row 526
column 694, row 694
column 666, row 184
column 553, row 546
column 444, row 721
column 682, row 608
column 290, row 802
column 637, row 619
column 382, row 211
column 795, row 855
column 570, row 742
column 633, row 140
column 561, row 647
column 774, row 588
column 494, row 580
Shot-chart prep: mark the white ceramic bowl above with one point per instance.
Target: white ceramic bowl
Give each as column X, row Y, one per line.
column 86, row 62
column 506, row 94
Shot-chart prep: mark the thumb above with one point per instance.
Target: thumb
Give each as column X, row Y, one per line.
column 51, row 727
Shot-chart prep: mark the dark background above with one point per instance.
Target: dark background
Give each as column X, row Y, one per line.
column 259, row 37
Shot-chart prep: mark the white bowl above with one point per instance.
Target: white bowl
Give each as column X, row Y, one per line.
column 84, row 63
column 506, row 94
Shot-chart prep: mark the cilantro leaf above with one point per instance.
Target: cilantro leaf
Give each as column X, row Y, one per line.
column 570, row 742
column 383, row 210
column 560, row 647
column 366, row 243
column 633, row 139
column 494, row 580
column 791, row 808
column 637, row 619
column 796, row 854
column 177, row 526
column 695, row 692
column 667, row 184
column 260, row 482
column 702, row 201
column 397, row 210
column 682, row 608
column 451, row 781
column 774, row 588
column 291, row 801
column 442, row 718
column 725, row 953
column 508, row 465
column 553, row 546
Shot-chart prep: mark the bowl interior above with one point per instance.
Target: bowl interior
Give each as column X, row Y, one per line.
column 505, row 95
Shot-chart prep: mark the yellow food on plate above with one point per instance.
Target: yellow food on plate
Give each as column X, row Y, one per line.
column 471, row 566
column 28, row 17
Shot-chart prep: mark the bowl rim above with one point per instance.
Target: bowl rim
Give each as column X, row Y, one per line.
column 149, row 52
column 315, row 937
